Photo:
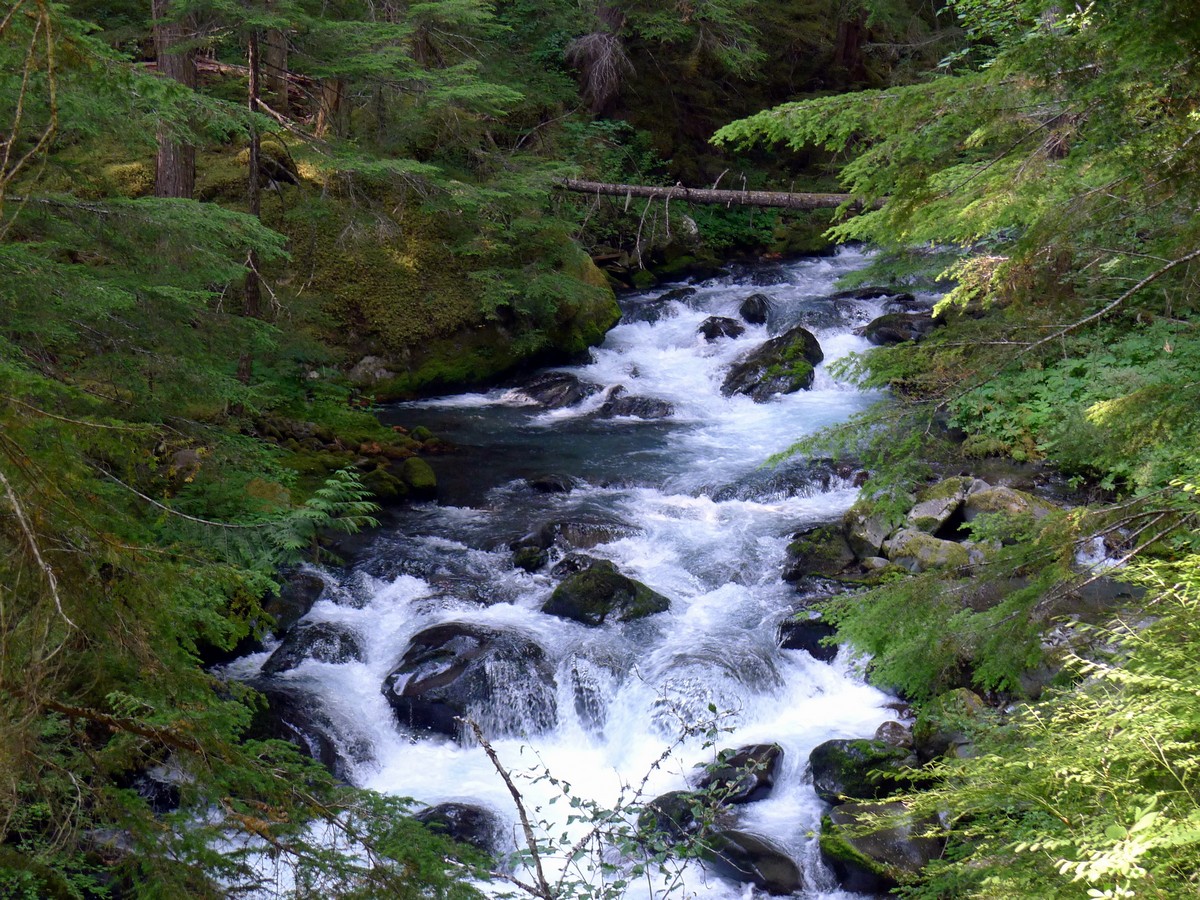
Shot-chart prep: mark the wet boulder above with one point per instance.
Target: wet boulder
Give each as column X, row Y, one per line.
column 755, row 309
column 466, row 823
column 555, row 390
column 571, row 564
column 552, row 484
column 499, row 677
column 618, row 404
column 578, row 534
column 600, row 592
column 297, row 595
column 808, row 634
column 820, row 550
column 530, row 559
column 920, row 552
column 899, row 328
column 296, row 716
column 653, row 309
column 877, row 860
column 895, row 733
column 858, row 769
column 328, row 642
column 720, row 326
column 874, row 292
column 782, row 365
column 751, row 859
column 743, row 775
column 675, row 815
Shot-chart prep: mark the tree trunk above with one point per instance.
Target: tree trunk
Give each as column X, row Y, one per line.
column 252, row 293
column 778, row 199
column 275, row 65
column 329, row 105
column 175, row 165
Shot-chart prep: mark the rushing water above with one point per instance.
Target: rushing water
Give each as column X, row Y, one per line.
column 682, row 504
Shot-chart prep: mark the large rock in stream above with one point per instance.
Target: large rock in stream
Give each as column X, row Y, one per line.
column 782, row 365
column 498, row 677
column 600, row 592
column 466, row 823
column 872, row 861
column 555, row 390
column 858, row 769
column 743, row 775
column 328, row 642
column 751, row 859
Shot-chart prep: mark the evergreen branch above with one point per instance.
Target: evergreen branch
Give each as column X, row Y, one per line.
column 1081, row 323
column 168, row 736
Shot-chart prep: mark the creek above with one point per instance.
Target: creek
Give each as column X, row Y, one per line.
column 681, row 503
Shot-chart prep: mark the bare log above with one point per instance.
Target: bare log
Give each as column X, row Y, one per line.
column 780, row 199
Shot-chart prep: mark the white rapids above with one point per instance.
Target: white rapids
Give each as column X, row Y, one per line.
column 691, row 512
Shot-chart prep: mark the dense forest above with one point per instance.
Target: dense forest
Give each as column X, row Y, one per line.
column 228, row 230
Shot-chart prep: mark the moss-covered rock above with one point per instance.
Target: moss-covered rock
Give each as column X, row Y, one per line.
column 939, row 504
column 858, row 769
column 987, row 500
column 920, row 552
column 783, row 365
column 752, row 859
column 530, row 558
column 419, row 476
column 821, row 550
column 600, row 591
column 866, row 529
column 870, row 858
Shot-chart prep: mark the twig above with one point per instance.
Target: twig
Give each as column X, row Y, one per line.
column 33, row 547
column 543, row 888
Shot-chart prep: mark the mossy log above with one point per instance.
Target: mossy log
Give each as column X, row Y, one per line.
column 782, row 199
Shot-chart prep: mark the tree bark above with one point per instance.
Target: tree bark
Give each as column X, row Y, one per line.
column 275, row 64
column 252, row 292
column 779, row 199
column 175, row 165
column 329, row 105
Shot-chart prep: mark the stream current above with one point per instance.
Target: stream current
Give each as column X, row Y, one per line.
column 683, row 504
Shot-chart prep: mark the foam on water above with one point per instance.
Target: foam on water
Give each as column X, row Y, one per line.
column 653, row 485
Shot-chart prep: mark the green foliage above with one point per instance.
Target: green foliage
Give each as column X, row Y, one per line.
column 1089, row 791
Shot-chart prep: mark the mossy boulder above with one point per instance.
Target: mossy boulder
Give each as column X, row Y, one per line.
column 782, row 365
column 874, row 847
column 940, row 505
column 858, row 769
column 530, row 558
column 987, row 500
column 866, row 529
column 600, row 592
column 419, row 476
column 920, row 552
column 821, row 550
column 945, row 725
